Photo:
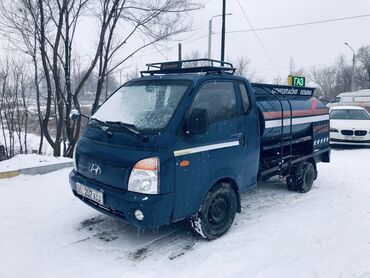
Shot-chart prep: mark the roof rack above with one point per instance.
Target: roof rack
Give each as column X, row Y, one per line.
column 185, row 66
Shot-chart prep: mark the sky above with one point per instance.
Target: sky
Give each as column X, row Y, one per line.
column 314, row 45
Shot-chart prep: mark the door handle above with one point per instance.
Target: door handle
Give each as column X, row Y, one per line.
column 241, row 138
column 243, row 141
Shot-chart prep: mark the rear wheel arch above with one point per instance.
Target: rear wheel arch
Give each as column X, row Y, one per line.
column 313, row 162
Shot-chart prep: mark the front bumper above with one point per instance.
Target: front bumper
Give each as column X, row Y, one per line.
column 339, row 139
column 157, row 209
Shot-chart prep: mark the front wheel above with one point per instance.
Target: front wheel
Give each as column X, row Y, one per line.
column 217, row 213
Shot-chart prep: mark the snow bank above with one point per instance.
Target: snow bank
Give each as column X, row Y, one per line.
column 22, row 161
column 46, row 232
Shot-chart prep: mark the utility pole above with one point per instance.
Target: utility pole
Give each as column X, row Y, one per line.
column 353, row 67
column 210, row 38
column 180, row 52
column 223, row 32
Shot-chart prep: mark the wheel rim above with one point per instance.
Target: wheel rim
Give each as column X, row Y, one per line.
column 218, row 211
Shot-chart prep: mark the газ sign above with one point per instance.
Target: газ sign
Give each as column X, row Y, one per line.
column 296, row 80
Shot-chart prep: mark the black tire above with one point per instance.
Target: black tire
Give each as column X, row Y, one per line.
column 291, row 184
column 217, row 213
column 302, row 178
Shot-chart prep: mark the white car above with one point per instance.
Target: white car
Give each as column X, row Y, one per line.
column 349, row 125
column 359, row 98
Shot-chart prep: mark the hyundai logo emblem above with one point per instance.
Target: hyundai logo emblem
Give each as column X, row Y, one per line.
column 94, row 169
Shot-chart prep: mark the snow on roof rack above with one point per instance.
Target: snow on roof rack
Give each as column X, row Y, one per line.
column 189, row 66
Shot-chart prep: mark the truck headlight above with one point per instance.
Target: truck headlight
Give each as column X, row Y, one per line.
column 144, row 177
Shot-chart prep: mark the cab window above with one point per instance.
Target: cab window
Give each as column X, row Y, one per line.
column 335, row 100
column 347, row 99
column 245, row 97
column 362, row 99
column 218, row 98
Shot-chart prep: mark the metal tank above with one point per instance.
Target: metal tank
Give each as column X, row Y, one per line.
column 287, row 113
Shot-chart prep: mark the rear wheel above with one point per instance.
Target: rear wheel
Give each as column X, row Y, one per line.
column 217, row 212
column 291, row 184
column 302, row 177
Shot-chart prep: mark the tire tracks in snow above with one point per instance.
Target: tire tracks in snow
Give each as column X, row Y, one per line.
column 177, row 240
column 173, row 245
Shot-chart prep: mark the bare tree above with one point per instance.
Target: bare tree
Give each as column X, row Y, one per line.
column 194, row 55
column 45, row 31
column 15, row 91
column 154, row 21
column 336, row 79
column 363, row 55
column 325, row 78
column 344, row 75
column 243, row 68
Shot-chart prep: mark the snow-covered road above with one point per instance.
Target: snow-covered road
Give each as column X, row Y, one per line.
column 46, row 232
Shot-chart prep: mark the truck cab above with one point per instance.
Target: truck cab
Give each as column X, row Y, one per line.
column 177, row 143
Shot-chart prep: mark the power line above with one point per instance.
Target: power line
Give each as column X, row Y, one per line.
column 282, row 26
column 286, row 26
column 259, row 39
column 299, row 24
column 270, row 28
column 172, row 47
column 300, row 66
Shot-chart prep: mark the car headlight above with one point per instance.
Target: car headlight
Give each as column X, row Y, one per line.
column 144, row 177
column 74, row 158
column 333, row 129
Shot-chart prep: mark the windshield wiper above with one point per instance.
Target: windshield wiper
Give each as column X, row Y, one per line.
column 103, row 127
column 131, row 128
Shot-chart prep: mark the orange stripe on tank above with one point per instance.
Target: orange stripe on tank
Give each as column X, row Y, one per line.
column 295, row 113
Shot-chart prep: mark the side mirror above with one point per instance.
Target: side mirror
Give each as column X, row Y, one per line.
column 74, row 114
column 198, row 121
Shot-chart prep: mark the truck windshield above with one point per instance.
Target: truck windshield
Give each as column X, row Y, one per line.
column 349, row 114
column 147, row 105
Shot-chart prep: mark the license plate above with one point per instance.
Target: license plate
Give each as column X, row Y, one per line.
column 90, row 193
column 354, row 138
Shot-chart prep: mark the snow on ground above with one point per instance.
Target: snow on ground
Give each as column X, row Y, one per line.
column 46, row 232
column 22, row 161
column 33, row 142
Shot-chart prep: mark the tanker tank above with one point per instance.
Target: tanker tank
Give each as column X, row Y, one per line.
column 286, row 111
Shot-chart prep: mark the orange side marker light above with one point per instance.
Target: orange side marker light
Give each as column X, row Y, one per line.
column 184, row 163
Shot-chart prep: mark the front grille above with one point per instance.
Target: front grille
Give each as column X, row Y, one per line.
column 360, row 132
column 347, row 132
column 111, row 174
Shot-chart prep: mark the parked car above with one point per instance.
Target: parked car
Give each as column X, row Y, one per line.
column 349, row 125
column 359, row 98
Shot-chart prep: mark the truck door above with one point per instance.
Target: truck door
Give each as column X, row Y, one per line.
column 202, row 159
column 250, row 131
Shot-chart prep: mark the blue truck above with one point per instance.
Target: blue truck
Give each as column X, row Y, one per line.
column 183, row 142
